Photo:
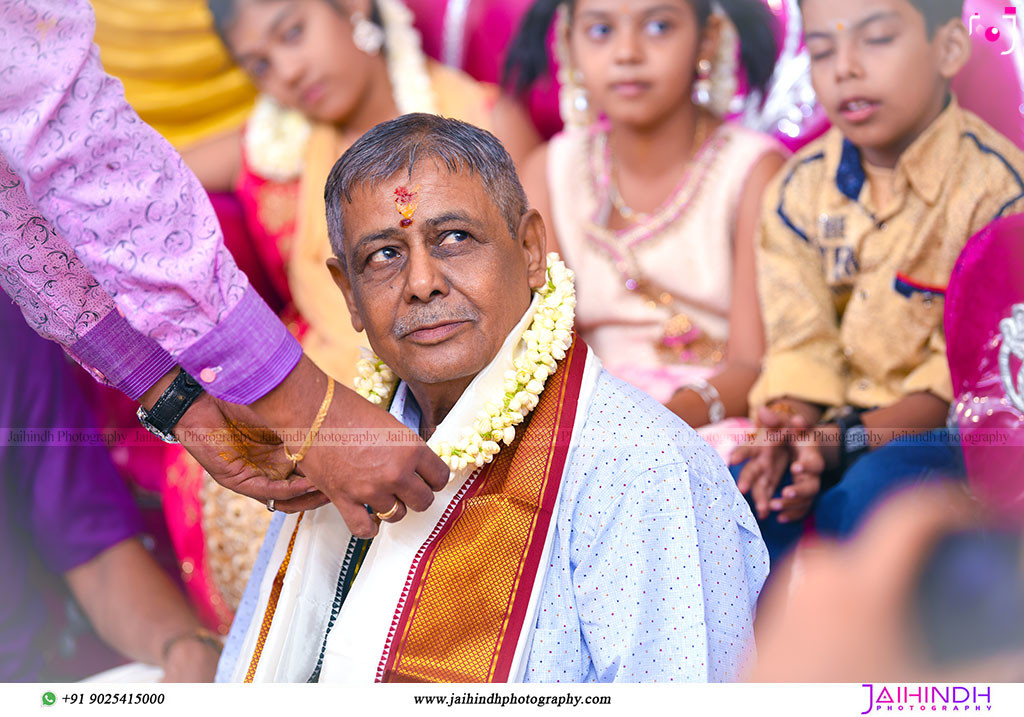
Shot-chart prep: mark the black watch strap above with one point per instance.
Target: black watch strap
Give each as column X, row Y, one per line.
column 853, row 439
column 171, row 406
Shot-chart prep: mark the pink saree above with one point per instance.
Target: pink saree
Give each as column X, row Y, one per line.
column 984, row 323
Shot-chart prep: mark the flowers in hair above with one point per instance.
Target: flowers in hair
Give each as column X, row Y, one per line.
column 541, row 347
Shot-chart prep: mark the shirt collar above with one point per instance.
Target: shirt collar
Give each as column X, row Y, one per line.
column 405, row 408
column 923, row 164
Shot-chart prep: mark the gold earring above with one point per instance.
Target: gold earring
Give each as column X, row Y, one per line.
column 702, row 87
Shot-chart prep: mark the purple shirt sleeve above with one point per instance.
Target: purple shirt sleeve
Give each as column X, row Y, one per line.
column 135, row 216
column 61, row 300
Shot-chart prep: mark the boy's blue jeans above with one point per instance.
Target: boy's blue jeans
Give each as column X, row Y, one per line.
column 840, row 510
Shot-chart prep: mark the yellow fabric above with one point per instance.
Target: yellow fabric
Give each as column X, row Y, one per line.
column 176, row 73
column 331, row 342
column 838, row 330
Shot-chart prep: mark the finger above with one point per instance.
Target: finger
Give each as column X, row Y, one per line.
column 310, row 501
column 765, row 488
column 416, row 494
column 768, row 418
column 740, row 454
column 396, row 508
column 431, row 468
column 748, row 476
column 796, row 509
column 808, row 460
column 262, row 489
column 797, row 493
column 360, row 523
column 762, row 494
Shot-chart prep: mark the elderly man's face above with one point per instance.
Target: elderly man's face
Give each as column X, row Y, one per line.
column 433, row 275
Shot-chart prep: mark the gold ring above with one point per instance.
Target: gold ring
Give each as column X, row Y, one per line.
column 391, row 513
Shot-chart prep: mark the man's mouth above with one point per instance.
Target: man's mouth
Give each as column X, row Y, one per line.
column 858, row 109
column 434, row 333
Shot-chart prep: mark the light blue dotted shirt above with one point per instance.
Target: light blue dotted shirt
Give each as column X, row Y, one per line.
column 657, row 560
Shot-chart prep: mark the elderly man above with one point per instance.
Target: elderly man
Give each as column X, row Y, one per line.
column 585, row 532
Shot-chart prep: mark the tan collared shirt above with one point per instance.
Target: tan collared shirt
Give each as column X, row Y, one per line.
column 853, row 292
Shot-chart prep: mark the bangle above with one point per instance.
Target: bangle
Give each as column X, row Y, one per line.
column 199, row 634
column 317, row 422
column 712, row 399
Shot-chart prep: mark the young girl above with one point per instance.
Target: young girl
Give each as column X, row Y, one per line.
column 328, row 70
column 650, row 197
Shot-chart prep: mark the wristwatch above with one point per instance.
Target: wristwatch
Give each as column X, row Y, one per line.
column 853, row 439
column 161, row 419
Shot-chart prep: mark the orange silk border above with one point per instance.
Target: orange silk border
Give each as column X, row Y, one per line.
column 275, row 594
column 467, row 596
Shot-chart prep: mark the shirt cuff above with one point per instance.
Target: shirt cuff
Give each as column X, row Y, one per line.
column 792, row 374
column 246, row 355
column 932, row 376
column 115, row 353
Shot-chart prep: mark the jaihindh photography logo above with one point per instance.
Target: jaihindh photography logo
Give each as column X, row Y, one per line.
column 927, row 698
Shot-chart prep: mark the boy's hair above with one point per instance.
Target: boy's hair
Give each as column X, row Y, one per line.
column 936, row 12
column 400, row 144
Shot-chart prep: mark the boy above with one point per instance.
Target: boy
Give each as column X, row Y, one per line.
column 859, row 236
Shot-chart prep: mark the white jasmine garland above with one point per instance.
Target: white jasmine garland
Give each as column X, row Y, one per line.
column 543, row 345
column 276, row 136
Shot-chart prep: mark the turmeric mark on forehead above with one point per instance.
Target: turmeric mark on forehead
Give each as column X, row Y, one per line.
column 405, row 203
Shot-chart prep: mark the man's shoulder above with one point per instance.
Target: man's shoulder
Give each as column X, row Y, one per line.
column 629, row 428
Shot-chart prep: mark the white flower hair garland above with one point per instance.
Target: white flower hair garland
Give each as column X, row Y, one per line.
column 542, row 346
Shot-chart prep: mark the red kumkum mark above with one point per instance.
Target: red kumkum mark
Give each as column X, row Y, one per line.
column 405, row 203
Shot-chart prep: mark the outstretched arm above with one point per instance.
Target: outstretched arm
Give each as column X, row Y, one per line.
column 139, row 612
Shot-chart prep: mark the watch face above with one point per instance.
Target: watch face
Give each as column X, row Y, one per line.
column 856, row 439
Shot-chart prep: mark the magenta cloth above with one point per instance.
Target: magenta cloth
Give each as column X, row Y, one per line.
column 63, row 503
column 134, row 215
column 984, row 316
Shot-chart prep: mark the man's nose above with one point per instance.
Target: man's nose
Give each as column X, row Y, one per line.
column 425, row 279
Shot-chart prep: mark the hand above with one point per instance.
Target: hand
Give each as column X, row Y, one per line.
column 241, row 454
column 796, row 499
column 392, row 463
column 767, row 456
column 191, row 661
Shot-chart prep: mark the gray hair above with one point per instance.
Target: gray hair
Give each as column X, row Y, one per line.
column 401, row 143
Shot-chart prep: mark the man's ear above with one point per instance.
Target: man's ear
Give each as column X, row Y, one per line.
column 533, row 240
column 340, row 276
column 954, row 47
